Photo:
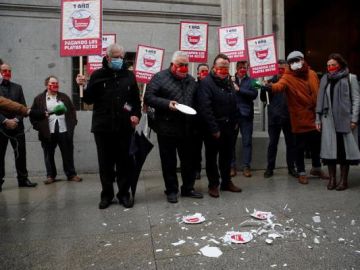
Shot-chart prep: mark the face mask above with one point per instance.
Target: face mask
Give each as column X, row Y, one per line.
column 332, row 69
column 6, row 74
column 116, row 63
column 202, row 75
column 179, row 71
column 281, row 71
column 296, row 65
column 53, row 87
column 241, row 72
column 222, row 73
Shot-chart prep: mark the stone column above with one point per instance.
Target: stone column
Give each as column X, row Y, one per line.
column 279, row 27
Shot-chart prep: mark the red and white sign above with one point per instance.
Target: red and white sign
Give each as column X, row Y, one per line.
column 262, row 56
column 194, row 40
column 95, row 61
column 232, row 42
column 81, row 26
column 149, row 61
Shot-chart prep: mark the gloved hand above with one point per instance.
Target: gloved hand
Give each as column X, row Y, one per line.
column 37, row 114
column 59, row 109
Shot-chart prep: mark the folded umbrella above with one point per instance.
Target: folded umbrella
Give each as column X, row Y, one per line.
column 140, row 147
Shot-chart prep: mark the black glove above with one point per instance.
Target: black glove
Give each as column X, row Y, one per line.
column 37, row 114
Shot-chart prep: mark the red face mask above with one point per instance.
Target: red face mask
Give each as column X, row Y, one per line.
column 332, row 69
column 222, row 73
column 202, row 74
column 281, row 71
column 241, row 72
column 179, row 71
column 6, row 73
column 53, row 87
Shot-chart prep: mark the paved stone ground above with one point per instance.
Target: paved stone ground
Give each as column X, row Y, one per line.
column 60, row 227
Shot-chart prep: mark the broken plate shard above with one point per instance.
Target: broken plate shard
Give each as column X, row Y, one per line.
column 194, row 219
column 180, row 242
column 213, row 252
column 316, row 219
column 261, row 215
column 238, row 237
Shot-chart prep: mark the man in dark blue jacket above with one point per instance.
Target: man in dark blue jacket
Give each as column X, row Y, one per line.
column 245, row 95
column 114, row 92
column 174, row 129
column 12, row 129
column 279, row 119
column 217, row 108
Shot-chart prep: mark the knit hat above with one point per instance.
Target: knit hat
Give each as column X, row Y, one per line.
column 295, row 54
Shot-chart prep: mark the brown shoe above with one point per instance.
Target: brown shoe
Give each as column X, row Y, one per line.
column 75, row 178
column 303, row 179
column 231, row 187
column 233, row 172
column 214, row 192
column 319, row 173
column 49, row 180
column 247, row 172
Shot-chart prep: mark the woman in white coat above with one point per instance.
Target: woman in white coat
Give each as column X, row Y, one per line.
column 337, row 113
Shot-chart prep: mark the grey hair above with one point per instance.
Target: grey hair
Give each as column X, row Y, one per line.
column 177, row 54
column 114, row 46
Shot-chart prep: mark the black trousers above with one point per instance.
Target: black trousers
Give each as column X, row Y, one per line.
column 17, row 141
column 274, row 135
column 312, row 140
column 218, row 154
column 114, row 163
column 197, row 151
column 65, row 142
column 169, row 146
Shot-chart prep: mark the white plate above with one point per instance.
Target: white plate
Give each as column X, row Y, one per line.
column 194, row 219
column 185, row 109
column 241, row 237
column 261, row 215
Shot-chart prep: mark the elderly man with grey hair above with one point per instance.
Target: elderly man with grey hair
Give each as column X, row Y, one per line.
column 114, row 92
column 174, row 129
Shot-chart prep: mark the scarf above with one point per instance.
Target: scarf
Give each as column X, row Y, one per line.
column 341, row 102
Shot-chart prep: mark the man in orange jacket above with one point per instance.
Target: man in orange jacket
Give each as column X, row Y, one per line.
column 301, row 86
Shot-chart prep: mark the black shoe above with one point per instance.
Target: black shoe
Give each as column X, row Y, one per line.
column 198, row 175
column 104, row 204
column 1, row 183
column 192, row 194
column 26, row 183
column 293, row 172
column 268, row 173
column 172, row 197
column 126, row 201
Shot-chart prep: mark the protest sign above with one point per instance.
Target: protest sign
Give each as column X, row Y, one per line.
column 232, row 42
column 149, row 61
column 81, row 26
column 194, row 40
column 262, row 56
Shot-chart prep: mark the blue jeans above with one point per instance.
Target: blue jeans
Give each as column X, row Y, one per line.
column 246, row 130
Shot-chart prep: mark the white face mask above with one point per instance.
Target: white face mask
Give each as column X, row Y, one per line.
column 296, row 65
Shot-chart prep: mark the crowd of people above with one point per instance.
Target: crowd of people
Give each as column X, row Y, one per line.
column 316, row 115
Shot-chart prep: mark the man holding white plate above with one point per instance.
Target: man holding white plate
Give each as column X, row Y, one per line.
column 171, row 93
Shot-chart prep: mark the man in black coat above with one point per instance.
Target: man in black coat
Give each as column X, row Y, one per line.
column 114, row 92
column 12, row 128
column 174, row 129
column 217, row 107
